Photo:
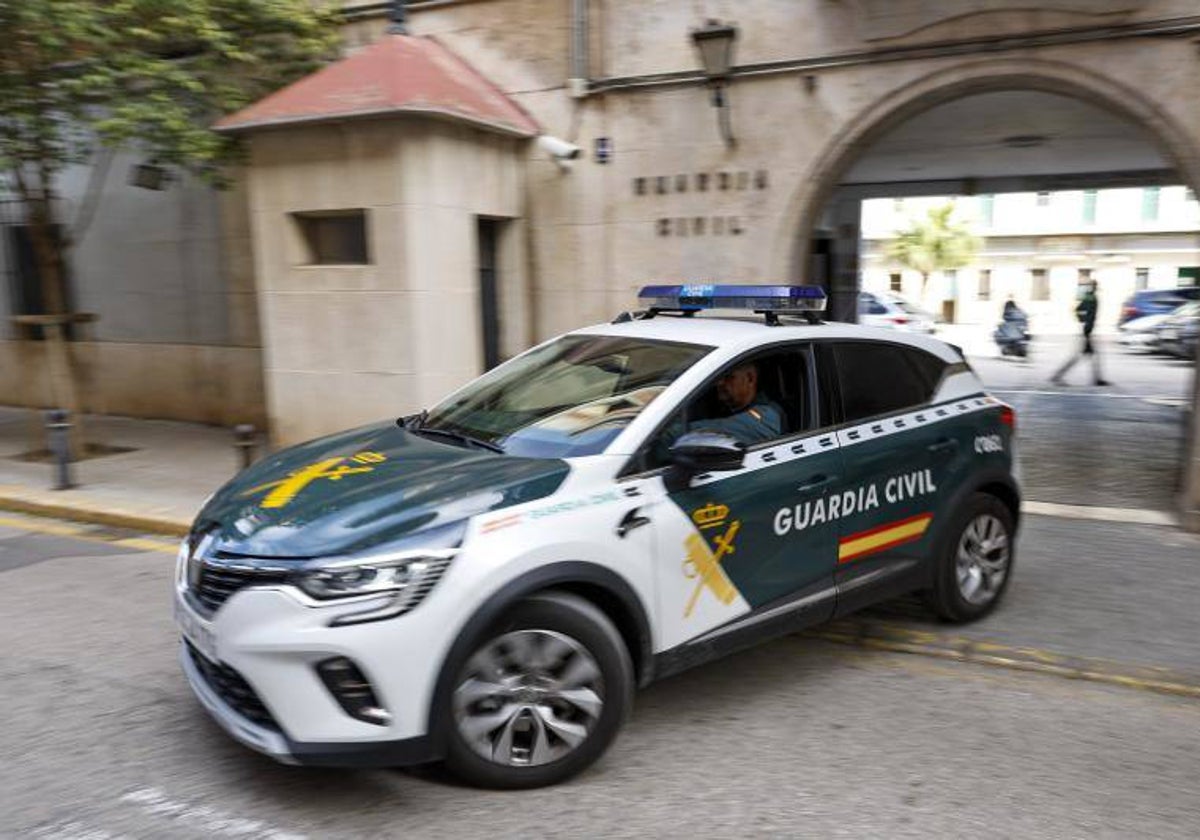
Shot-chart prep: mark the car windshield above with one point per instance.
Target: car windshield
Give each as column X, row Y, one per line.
column 567, row 398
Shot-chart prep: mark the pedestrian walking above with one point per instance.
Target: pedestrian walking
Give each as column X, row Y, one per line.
column 1085, row 312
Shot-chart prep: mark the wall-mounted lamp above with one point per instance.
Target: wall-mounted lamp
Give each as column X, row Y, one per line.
column 397, row 18
column 715, row 41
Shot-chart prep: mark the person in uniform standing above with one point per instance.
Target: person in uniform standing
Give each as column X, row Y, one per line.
column 1085, row 312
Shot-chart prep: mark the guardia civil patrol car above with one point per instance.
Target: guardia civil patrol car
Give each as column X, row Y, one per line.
column 486, row 582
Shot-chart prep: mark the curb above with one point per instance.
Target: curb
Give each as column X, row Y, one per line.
column 97, row 516
column 877, row 635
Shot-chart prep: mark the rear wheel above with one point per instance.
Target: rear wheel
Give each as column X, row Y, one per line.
column 541, row 695
column 975, row 561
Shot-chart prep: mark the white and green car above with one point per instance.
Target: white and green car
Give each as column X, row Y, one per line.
column 486, row 583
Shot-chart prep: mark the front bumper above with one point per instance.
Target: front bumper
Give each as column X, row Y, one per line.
column 257, row 678
column 278, row 746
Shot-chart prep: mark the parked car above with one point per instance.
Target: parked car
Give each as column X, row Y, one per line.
column 1177, row 334
column 882, row 309
column 1141, row 333
column 1157, row 302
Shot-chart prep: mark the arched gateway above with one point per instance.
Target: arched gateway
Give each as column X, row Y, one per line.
column 895, row 106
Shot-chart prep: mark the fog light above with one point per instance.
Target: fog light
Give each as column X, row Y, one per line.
column 350, row 688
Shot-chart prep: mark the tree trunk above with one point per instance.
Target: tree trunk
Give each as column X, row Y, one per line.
column 48, row 246
column 43, row 236
column 47, row 249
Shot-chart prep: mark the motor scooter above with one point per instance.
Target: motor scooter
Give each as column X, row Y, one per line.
column 1012, row 335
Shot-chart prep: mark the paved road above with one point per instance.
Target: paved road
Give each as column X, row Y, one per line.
column 800, row 737
column 1119, row 446
column 1102, row 590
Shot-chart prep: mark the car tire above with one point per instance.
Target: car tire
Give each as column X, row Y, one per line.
column 974, row 562
column 540, row 695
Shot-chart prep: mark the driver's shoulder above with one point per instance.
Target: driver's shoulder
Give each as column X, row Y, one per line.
column 766, row 411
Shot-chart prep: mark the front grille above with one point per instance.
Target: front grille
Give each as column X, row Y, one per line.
column 233, row 689
column 216, row 584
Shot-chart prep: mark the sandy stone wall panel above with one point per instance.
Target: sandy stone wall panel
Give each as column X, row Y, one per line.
column 527, row 44
column 198, row 383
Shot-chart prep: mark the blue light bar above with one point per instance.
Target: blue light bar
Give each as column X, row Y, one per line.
column 697, row 297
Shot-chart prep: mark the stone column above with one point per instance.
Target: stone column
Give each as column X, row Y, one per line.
column 844, row 280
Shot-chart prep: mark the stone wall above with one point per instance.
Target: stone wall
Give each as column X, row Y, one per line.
column 205, row 384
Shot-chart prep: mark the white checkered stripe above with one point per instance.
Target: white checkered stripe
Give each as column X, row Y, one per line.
column 871, row 430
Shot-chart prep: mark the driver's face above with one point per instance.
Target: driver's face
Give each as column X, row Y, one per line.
column 738, row 388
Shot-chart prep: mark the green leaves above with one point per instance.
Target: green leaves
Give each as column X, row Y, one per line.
column 934, row 243
column 148, row 74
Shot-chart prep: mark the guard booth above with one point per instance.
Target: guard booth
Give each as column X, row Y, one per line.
column 386, row 194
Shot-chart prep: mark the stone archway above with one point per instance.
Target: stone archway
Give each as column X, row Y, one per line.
column 1176, row 140
column 792, row 239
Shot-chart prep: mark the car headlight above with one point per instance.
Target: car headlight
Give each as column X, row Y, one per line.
column 370, row 578
column 400, row 577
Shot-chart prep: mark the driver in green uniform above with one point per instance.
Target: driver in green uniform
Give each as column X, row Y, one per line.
column 752, row 417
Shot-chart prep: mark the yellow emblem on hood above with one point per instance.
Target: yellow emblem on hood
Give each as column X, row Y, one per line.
column 285, row 490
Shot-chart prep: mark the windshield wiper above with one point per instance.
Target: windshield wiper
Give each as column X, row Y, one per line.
column 459, row 436
column 414, row 421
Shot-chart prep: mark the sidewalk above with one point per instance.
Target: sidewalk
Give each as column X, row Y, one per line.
column 158, row 487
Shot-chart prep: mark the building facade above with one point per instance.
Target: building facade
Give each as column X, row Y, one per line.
column 1036, row 248
column 404, row 249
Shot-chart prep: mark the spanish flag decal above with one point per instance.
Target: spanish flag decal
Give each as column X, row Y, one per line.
column 884, row 537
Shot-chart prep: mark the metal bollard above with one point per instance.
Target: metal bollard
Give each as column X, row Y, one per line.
column 58, row 429
column 245, row 439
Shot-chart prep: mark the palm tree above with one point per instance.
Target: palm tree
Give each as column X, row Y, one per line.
column 934, row 243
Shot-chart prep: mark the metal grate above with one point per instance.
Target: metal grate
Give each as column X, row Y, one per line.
column 217, row 583
column 233, row 689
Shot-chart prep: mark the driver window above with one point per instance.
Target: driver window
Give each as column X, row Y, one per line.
column 755, row 400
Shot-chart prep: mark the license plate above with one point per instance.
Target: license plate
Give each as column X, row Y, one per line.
column 195, row 630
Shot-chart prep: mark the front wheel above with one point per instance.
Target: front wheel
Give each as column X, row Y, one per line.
column 975, row 561
column 541, row 696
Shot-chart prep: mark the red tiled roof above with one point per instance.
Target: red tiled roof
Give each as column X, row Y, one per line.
column 399, row 74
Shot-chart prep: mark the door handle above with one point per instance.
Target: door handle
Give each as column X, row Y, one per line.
column 945, row 445
column 817, row 481
column 630, row 521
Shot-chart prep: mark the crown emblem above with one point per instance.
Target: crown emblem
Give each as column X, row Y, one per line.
column 710, row 516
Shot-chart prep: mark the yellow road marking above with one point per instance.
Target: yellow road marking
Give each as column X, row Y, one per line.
column 58, row 529
column 80, row 532
column 895, row 639
column 144, row 544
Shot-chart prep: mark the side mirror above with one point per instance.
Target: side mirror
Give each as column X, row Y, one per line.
column 700, row 452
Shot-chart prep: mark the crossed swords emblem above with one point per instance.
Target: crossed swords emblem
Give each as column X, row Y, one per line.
column 703, row 564
column 333, row 469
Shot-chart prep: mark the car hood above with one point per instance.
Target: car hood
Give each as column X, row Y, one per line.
column 351, row 491
column 1146, row 323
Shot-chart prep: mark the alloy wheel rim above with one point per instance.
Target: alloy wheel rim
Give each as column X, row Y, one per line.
column 528, row 697
column 982, row 559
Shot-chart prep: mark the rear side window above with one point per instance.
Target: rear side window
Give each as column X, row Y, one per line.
column 880, row 378
column 930, row 367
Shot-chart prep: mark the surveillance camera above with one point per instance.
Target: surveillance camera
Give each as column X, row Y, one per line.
column 559, row 149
